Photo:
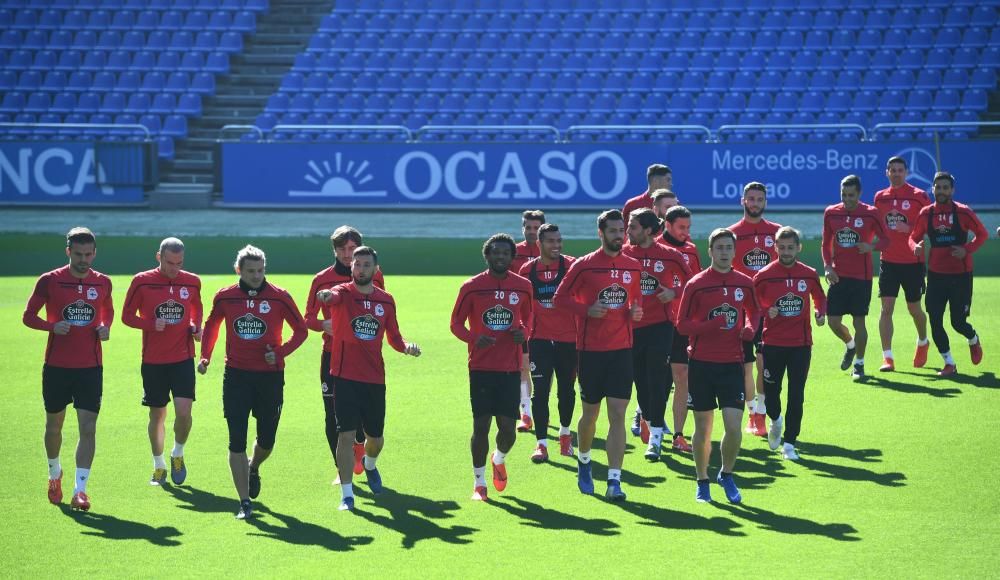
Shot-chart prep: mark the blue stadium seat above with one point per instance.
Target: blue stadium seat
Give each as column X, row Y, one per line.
column 946, row 99
column 928, row 79
column 974, row 100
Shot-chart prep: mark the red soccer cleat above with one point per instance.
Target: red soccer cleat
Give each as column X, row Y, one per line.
column 566, row 445
column 525, row 424
column 359, row 455
column 976, row 352
column 681, row 444
column 920, row 357
column 499, row 476
column 644, row 431
column 479, row 494
column 756, row 425
column 55, row 490
column 541, row 454
column 888, row 365
column 948, row 371
column 80, row 502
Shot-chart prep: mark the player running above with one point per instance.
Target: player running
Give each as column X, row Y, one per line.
column 527, row 249
column 165, row 304
column 78, row 317
column 362, row 315
column 254, row 311
column 496, row 306
column 552, row 343
column 849, row 230
column 947, row 225
column 784, row 289
column 658, row 176
column 602, row 290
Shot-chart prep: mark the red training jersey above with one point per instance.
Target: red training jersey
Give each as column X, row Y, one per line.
column 324, row 280
column 175, row 301
column 790, row 289
column 948, row 225
column 714, row 311
column 688, row 249
column 523, row 252
column 253, row 323
column 899, row 208
column 614, row 281
column 493, row 307
column 662, row 266
column 360, row 321
column 640, row 201
column 843, row 230
column 85, row 303
column 755, row 247
column 549, row 323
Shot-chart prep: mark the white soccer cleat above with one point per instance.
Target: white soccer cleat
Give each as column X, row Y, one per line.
column 788, row 452
column 774, row 433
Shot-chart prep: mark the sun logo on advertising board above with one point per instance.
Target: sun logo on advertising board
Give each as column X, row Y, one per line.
column 342, row 178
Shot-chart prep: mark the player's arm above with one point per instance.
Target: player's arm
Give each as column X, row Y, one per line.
column 133, row 305
column 760, row 290
column 459, row 315
column 379, row 279
column 527, row 307
column 826, row 248
column 977, row 228
column 313, row 307
column 394, row 337
column 211, row 332
column 565, row 297
column 30, row 317
column 686, row 324
column 880, row 232
column 197, row 310
column 298, row 325
column 107, row 315
column 819, row 298
column 752, row 310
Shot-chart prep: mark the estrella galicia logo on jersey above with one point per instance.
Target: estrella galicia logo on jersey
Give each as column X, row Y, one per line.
column 498, row 318
column 802, row 286
column 79, row 313
column 894, row 218
column 847, row 238
column 91, row 293
column 790, row 305
column 514, row 298
column 658, row 266
column 756, row 259
column 185, row 294
column 627, row 277
column 379, row 310
column 725, row 310
column 249, row 327
column 366, row 327
column 265, row 307
column 170, row 312
column 648, row 284
column 614, row 296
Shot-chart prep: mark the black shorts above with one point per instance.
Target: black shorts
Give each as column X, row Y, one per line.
column 715, row 385
column 679, row 349
column 82, row 387
column 325, row 380
column 495, row 393
column 359, row 404
column 909, row 276
column 605, row 374
column 159, row 380
column 749, row 346
column 258, row 392
column 849, row 296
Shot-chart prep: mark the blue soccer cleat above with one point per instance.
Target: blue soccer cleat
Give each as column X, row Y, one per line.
column 704, row 493
column 347, row 504
column 178, row 470
column 615, row 492
column 374, row 480
column 729, row 485
column 584, row 477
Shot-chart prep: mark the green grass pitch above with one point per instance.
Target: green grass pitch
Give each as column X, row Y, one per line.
column 897, row 476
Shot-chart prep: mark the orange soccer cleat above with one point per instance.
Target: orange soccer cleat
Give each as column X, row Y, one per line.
column 55, row 489
column 359, row 455
column 499, row 476
column 920, row 357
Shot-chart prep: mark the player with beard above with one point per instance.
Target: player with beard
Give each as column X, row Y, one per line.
column 527, row 249
column 849, row 229
column 552, row 343
column 784, row 289
column 602, row 290
column 947, row 225
column 664, row 273
column 78, row 317
column 363, row 315
column 344, row 240
column 493, row 315
column 658, row 176
column 754, row 250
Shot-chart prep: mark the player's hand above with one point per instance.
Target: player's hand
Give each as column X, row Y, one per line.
column 597, row 310
column 772, row 312
column 159, row 324
column 61, row 328
column 197, row 333
column 903, row 227
column 831, row 276
column 918, row 250
column 485, row 341
column 203, row 366
column 270, row 357
column 746, row 334
column 412, row 349
column 636, row 312
column 103, row 332
column 864, row 247
column 324, row 296
column 328, row 327
column 959, row 252
column 518, row 335
column 820, row 319
column 666, row 294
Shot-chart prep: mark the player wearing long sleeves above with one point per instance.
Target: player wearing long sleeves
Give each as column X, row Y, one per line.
column 526, row 250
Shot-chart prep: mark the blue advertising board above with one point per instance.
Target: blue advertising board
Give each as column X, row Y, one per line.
column 580, row 175
column 67, row 173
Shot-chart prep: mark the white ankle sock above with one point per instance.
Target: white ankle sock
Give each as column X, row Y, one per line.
column 178, row 450
column 82, row 475
column 974, row 340
column 480, row 474
column 887, row 353
column 584, row 457
column 615, row 474
column 159, row 462
column 369, row 462
column 564, row 431
column 851, row 344
column 544, row 443
column 346, row 490
column 948, row 360
column 498, row 458
column 55, row 469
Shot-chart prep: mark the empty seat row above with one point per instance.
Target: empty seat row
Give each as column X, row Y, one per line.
column 205, row 40
column 260, row 6
column 63, row 103
column 49, row 61
column 169, row 125
column 123, row 20
column 80, row 81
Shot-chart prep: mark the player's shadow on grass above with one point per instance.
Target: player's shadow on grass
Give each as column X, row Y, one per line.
column 661, row 517
column 850, row 473
column 785, row 524
column 413, row 517
column 982, row 380
column 757, row 468
column 112, row 528
column 298, row 532
column 881, row 381
column 543, row 518
column 827, row 450
column 202, row 501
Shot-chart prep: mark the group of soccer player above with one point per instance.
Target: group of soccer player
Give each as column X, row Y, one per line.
column 638, row 310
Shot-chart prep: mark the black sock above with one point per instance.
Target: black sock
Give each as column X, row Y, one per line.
column 724, row 474
column 702, row 481
column 678, row 434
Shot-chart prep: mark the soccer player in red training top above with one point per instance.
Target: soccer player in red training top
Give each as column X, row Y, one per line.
column 664, row 273
column 947, row 224
column 552, row 344
column 528, row 249
column 899, row 205
column 254, row 311
column 78, row 317
column 677, row 235
column 602, row 290
column 496, row 305
column 657, row 177
column 362, row 315
column 754, row 250
column 783, row 289
column 344, row 240
column 165, row 304
column 717, row 311
column 849, row 229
